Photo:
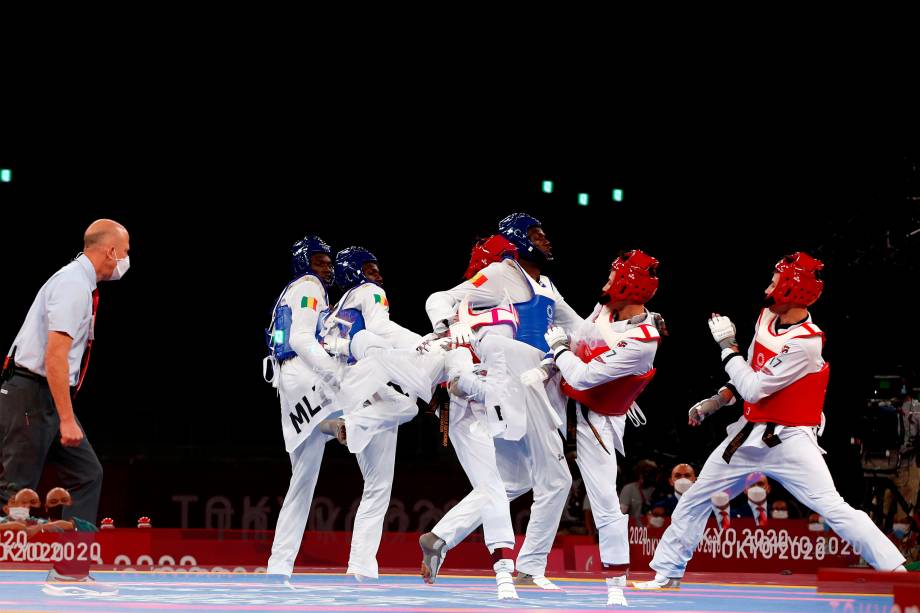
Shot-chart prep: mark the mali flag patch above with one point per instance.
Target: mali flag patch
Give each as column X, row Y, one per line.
column 479, row 279
column 308, row 303
column 382, row 300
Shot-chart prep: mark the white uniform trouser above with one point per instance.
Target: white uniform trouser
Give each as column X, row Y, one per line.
column 305, row 462
column 797, row 464
column 599, row 471
column 475, row 449
column 377, row 462
column 535, row 462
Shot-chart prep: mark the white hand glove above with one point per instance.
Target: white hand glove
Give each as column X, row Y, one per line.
column 723, row 330
column 703, row 408
column 458, row 361
column 426, row 344
column 337, row 346
column 438, row 347
column 461, row 334
column 557, row 339
column 534, row 376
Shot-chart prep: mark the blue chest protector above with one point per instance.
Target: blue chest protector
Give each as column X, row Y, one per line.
column 278, row 334
column 536, row 315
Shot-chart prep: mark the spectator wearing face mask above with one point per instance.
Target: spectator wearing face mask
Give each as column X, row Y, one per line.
column 682, row 477
column 779, row 510
column 815, row 523
column 18, row 512
column 721, row 509
column 657, row 517
column 755, row 504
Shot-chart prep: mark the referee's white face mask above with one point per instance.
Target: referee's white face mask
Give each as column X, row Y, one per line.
column 121, row 266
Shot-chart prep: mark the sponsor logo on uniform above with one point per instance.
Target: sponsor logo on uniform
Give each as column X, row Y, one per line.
column 621, row 344
column 785, row 349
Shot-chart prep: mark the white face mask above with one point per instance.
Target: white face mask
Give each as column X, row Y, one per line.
column 780, row 514
column 900, row 530
column 682, row 485
column 816, row 527
column 756, row 494
column 19, row 513
column 656, row 521
column 720, row 499
column 121, row 267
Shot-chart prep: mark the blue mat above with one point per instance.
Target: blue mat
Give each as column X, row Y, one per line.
column 22, row 591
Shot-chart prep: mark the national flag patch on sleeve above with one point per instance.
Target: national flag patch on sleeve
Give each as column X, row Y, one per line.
column 479, row 279
column 308, row 303
column 382, row 300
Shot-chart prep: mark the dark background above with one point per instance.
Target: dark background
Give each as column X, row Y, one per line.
column 174, row 402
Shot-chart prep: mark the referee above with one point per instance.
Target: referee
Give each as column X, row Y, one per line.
column 44, row 369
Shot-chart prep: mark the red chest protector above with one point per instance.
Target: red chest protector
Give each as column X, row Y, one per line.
column 616, row 396
column 801, row 402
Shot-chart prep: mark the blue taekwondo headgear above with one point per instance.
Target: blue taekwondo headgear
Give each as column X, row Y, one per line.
column 514, row 227
column 303, row 250
column 348, row 266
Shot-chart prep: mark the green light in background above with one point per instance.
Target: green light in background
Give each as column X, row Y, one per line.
column 6, row 175
column 547, row 187
column 618, row 195
column 583, row 199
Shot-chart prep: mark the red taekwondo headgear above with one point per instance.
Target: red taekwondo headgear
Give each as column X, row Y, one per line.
column 633, row 278
column 488, row 250
column 798, row 282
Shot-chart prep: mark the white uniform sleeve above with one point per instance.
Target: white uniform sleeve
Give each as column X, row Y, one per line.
column 802, row 358
column 565, row 316
column 376, row 311
column 443, row 305
column 306, row 300
column 634, row 359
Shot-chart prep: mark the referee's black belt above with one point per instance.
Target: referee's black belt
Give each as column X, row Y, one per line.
column 28, row 374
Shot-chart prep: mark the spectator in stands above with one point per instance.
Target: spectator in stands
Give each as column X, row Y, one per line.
column 636, row 497
column 755, row 501
column 682, row 477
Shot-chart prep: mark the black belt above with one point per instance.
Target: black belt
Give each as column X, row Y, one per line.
column 569, row 441
column 597, row 435
column 28, row 374
column 769, row 437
